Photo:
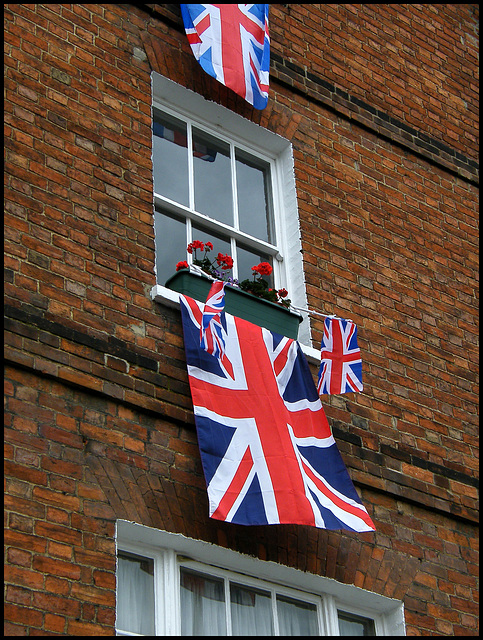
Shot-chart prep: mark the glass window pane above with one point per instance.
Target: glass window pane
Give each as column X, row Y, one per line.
column 247, row 258
column 296, row 618
column 135, row 594
column 221, row 243
column 251, row 612
column 352, row 625
column 202, row 605
column 212, row 174
column 170, row 158
column 170, row 241
column 254, row 196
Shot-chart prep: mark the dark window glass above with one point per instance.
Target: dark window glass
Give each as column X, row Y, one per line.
column 247, row 258
column 170, row 158
column 170, row 239
column 251, row 611
column 297, row 618
column 202, row 605
column 221, row 244
column 352, row 625
column 135, row 594
column 254, row 196
column 212, row 175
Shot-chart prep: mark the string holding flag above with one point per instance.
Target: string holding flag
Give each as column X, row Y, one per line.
column 314, row 313
column 232, row 44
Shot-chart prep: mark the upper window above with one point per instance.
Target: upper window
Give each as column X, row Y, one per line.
column 171, row 585
column 208, row 188
column 221, row 178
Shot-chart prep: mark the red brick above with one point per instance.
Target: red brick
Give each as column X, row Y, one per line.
column 23, row 577
column 59, row 550
column 88, row 593
column 57, row 498
column 25, row 615
column 56, row 567
column 59, row 586
column 51, row 603
column 54, row 623
column 79, row 628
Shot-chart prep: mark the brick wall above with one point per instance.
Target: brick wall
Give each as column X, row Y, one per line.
column 380, row 105
column 414, row 63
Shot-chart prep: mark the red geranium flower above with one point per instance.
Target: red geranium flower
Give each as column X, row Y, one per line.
column 224, row 261
column 196, row 244
column 211, row 267
column 264, row 268
column 282, row 293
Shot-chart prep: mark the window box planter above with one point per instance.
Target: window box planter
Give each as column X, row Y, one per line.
column 239, row 303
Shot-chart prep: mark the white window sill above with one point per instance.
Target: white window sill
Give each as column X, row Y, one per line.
column 169, row 550
column 170, row 298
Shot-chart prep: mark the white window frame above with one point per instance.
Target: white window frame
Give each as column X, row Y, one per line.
column 169, row 551
column 175, row 99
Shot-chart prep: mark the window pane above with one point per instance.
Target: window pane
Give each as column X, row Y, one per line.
column 221, row 244
column 170, row 239
column 135, row 594
column 296, row 618
column 254, row 196
column 212, row 169
column 251, row 612
column 170, row 158
column 202, row 605
column 248, row 258
column 352, row 625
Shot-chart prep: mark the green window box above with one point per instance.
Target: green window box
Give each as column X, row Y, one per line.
column 239, row 303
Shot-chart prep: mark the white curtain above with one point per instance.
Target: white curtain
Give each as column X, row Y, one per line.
column 251, row 612
column 296, row 618
column 352, row 625
column 203, row 610
column 135, row 595
column 202, row 605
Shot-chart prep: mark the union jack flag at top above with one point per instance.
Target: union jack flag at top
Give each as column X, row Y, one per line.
column 341, row 365
column 231, row 43
column 266, row 447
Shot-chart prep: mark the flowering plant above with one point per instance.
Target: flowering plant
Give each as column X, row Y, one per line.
column 259, row 287
column 216, row 268
column 219, row 267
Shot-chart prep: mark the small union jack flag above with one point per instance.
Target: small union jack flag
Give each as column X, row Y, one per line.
column 212, row 331
column 341, row 365
column 231, row 43
column 267, row 450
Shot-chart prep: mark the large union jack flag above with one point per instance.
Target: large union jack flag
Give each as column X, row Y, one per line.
column 267, row 451
column 231, row 43
column 341, row 364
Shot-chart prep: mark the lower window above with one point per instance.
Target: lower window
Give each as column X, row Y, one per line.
column 218, row 606
column 190, row 588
